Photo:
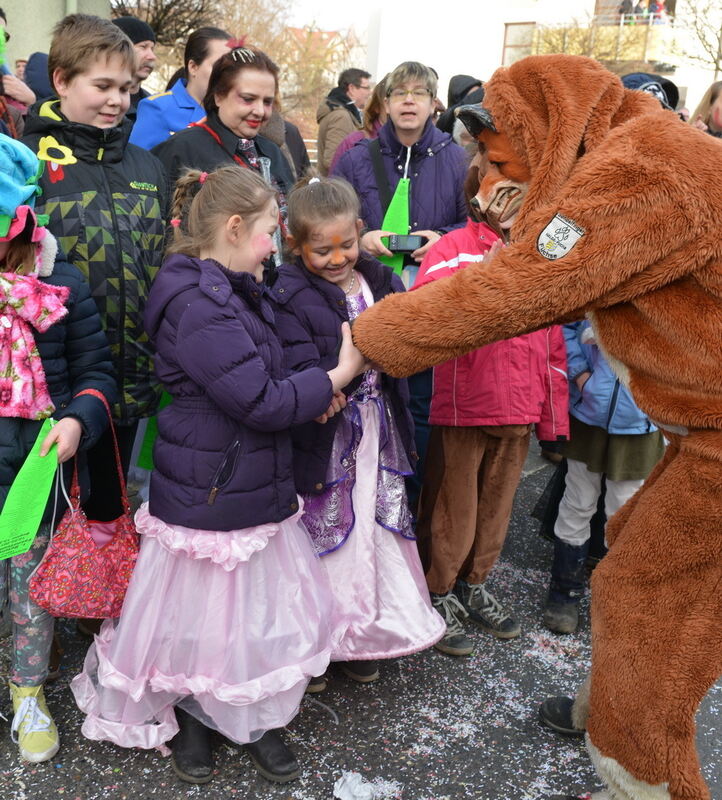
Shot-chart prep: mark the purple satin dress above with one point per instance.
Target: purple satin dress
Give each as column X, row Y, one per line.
column 362, row 525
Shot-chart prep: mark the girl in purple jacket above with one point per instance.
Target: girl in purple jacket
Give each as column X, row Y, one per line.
column 351, row 472
column 228, row 613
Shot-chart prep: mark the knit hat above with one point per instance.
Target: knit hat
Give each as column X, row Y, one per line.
column 135, row 29
column 662, row 88
column 20, row 172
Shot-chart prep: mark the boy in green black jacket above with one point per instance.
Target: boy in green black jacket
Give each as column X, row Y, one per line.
column 107, row 205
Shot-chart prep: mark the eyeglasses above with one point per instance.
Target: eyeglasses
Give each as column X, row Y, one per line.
column 402, row 94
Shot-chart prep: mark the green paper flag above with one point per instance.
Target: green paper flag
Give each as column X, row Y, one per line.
column 25, row 504
column 397, row 221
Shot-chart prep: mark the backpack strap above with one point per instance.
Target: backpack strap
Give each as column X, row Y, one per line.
column 382, row 180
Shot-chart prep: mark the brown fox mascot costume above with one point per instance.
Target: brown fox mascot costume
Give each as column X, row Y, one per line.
column 614, row 208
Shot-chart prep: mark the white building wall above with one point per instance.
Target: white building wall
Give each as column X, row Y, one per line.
column 30, row 22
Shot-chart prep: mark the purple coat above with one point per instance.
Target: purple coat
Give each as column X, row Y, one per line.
column 437, row 170
column 309, row 314
column 223, row 456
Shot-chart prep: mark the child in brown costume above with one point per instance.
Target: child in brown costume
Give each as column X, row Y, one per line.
column 618, row 224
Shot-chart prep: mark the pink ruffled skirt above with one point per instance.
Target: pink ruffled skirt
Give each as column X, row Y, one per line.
column 230, row 626
column 376, row 575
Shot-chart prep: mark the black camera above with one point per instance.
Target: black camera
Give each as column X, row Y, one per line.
column 405, row 244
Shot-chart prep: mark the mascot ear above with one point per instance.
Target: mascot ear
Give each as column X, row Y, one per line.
column 476, row 119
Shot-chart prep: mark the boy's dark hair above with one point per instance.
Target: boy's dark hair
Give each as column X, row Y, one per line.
column 3, row 15
column 352, row 77
column 228, row 66
column 80, row 39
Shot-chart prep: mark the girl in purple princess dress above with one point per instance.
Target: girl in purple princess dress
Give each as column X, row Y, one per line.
column 228, row 613
column 351, row 470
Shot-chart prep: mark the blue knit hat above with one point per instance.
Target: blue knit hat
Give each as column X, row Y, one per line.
column 20, row 172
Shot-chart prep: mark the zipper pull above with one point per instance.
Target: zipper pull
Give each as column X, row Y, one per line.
column 212, row 496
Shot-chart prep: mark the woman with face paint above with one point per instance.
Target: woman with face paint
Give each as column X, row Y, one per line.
column 229, row 613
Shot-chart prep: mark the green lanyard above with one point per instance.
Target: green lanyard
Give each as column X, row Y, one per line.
column 397, row 221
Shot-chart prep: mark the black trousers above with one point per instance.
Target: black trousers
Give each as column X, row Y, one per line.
column 104, row 503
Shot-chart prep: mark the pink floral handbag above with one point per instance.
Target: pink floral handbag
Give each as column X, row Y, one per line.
column 77, row 576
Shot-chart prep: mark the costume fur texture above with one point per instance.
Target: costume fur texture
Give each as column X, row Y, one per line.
column 645, row 189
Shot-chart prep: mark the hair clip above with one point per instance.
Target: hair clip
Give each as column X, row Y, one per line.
column 243, row 54
column 202, row 177
column 175, row 222
column 234, row 44
column 314, row 180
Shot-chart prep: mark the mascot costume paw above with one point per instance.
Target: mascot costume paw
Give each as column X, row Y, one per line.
column 612, row 209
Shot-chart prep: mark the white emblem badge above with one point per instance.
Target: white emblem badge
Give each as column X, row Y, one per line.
column 558, row 238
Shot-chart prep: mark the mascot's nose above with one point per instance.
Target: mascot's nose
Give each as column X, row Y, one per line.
column 476, row 119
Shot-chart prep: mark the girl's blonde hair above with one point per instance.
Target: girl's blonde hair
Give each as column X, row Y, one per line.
column 315, row 200
column 203, row 201
column 706, row 103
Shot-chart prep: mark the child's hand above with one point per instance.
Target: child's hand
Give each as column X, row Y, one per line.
column 493, row 250
column 581, row 379
column 66, row 434
column 351, row 361
column 337, row 404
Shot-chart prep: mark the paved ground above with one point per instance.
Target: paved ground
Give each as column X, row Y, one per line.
column 433, row 727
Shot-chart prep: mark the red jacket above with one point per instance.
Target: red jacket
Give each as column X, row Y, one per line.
column 512, row 382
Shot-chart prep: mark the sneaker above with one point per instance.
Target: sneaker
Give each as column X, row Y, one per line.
column 361, row 671
column 486, row 610
column 454, row 642
column 317, row 684
column 33, row 729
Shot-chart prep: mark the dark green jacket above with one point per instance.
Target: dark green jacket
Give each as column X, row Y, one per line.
column 107, row 205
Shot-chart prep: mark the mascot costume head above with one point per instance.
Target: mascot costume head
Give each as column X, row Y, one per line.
column 611, row 208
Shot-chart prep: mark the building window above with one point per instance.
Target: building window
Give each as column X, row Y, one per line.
column 518, row 41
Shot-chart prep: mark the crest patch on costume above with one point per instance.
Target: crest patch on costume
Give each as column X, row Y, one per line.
column 559, row 237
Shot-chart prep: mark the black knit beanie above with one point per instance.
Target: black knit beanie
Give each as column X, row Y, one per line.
column 135, row 29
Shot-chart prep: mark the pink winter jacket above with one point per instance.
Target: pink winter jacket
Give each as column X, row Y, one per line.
column 512, row 382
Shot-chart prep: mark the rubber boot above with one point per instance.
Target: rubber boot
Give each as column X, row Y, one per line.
column 192, row 754
column 561, row 610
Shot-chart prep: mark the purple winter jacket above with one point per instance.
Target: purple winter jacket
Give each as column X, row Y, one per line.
column 309, row 313
column 437, row 170
column 223, row 457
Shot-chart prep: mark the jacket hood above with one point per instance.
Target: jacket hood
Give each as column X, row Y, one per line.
column 86, row 142
column 337, row 98
column 459, row 85
column 554, row 109
column 181, row 272
column 36, row 75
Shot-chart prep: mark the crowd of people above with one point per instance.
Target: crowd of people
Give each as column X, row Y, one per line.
column 182, row 242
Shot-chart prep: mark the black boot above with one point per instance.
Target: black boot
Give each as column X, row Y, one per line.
column 273, row 759
column 556, row 713
column 561, row 613
column 192, row 757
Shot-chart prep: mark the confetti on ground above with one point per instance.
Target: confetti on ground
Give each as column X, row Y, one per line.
column 432, row 728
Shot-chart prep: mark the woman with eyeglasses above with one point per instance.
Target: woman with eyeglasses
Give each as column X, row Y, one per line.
column 409, row 147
